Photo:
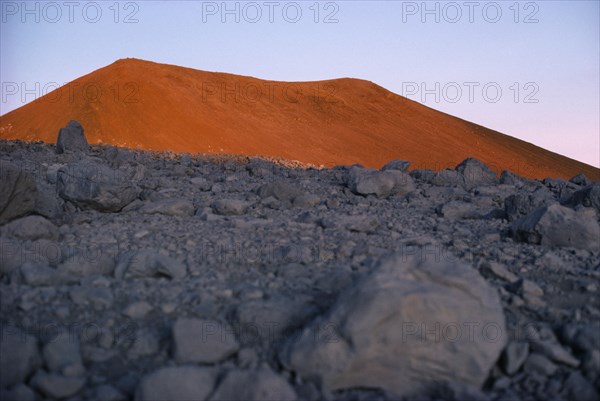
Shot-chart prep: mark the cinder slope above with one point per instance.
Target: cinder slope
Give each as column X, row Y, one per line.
column 141, row 104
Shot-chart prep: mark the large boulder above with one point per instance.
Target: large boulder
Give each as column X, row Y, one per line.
column 254, row 385
column 556, row 225
column 19, row 356
column 476, row 173
column 411, row 325
column 177, row 383
column 17, row 192
column 90, row 185
column 367, row 181
column 71, row 139
column 588, row 197
column 148, row 264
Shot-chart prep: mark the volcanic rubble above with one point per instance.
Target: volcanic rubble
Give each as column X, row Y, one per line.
column 129, row 274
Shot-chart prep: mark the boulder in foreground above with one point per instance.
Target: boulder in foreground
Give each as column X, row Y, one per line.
column 409, row 326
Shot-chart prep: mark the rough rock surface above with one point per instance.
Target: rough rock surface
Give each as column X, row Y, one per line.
column 93, row 286
column 17, row 197
column 412, row 323
column 71, row 139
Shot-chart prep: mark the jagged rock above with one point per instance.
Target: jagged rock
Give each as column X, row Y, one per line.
column 375, row 337
column 18, row 192
column 361, row 224
column 57, row 386
column 576, row 387
column 71, row 139
column 203, row 341
column 538, row 363
column 63, row 352
column 89, row 263
column 497, row 270
column 476, row 173
column 557, row 225
column 459, row 210
column 365, row 181
column 177, row 383
column 31, row 228
column 514, row 356
column 588, row 197
column 20, row 392
column 147, row 263
column 401, row 165
column 94, row 186
column 230, row 207
column 583, row 337
column 253, row 385
column 19, row 356
column 279, row 190
column 39, row 275
column 169, row 207
column 581, row 180
column 99, row 297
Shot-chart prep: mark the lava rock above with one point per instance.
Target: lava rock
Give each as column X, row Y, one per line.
column 148, row 263
column 90, row 185
column 230, row 207
column 71, row 139
column 375, row 335
column 31, row 228
column 401, row 165
column 20, row 356
column 476, row 173
column 169, row 207
column 254, row 385
column 203, row 341
column 365, row 181
column 557, row 225
column 177, row 383
column 18, row 192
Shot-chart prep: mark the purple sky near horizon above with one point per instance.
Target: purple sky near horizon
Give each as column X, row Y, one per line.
column 529, row 69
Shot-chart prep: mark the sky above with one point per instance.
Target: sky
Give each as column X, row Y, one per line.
column 529, row 69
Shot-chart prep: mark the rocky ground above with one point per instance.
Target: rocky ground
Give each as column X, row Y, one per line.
column 129, row 274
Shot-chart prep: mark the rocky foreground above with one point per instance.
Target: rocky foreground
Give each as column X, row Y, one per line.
column 128, row 274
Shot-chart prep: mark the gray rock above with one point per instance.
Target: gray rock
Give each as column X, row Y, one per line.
column 448, row 178
column 169, row 207
column 581, row 180
column 459, row 210
column 144, row 343
column 55, row 385
column 361, row 223
column 553, row 350
column 306, row 200
column 182, row 383
column 90, row 185
column 31, row 228
column 403, row 329
column 365, row 181
column 88, row 264
column 513, row 356
column 557, row 225
column 148, row 263
column 203, row 341
column 254, row 385
column 18, row 192
column 62, row 352
column 401, row 165
column 106, row 392
column 201, row 183
column 18, row 393
column 71, row 139
column 230, row 207
column 494, row 269
column 279, row 190
column 40, row 275
column 20, row 356
column 582, row 337
column 538, row 363
column 98, row 297
column 588, row 197
column 576, row 387
column 476, row 173
column 137, row 310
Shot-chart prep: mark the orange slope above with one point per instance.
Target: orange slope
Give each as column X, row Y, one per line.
column 141, row 104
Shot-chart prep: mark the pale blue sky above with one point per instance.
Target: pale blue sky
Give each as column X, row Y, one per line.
column 554, row 57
